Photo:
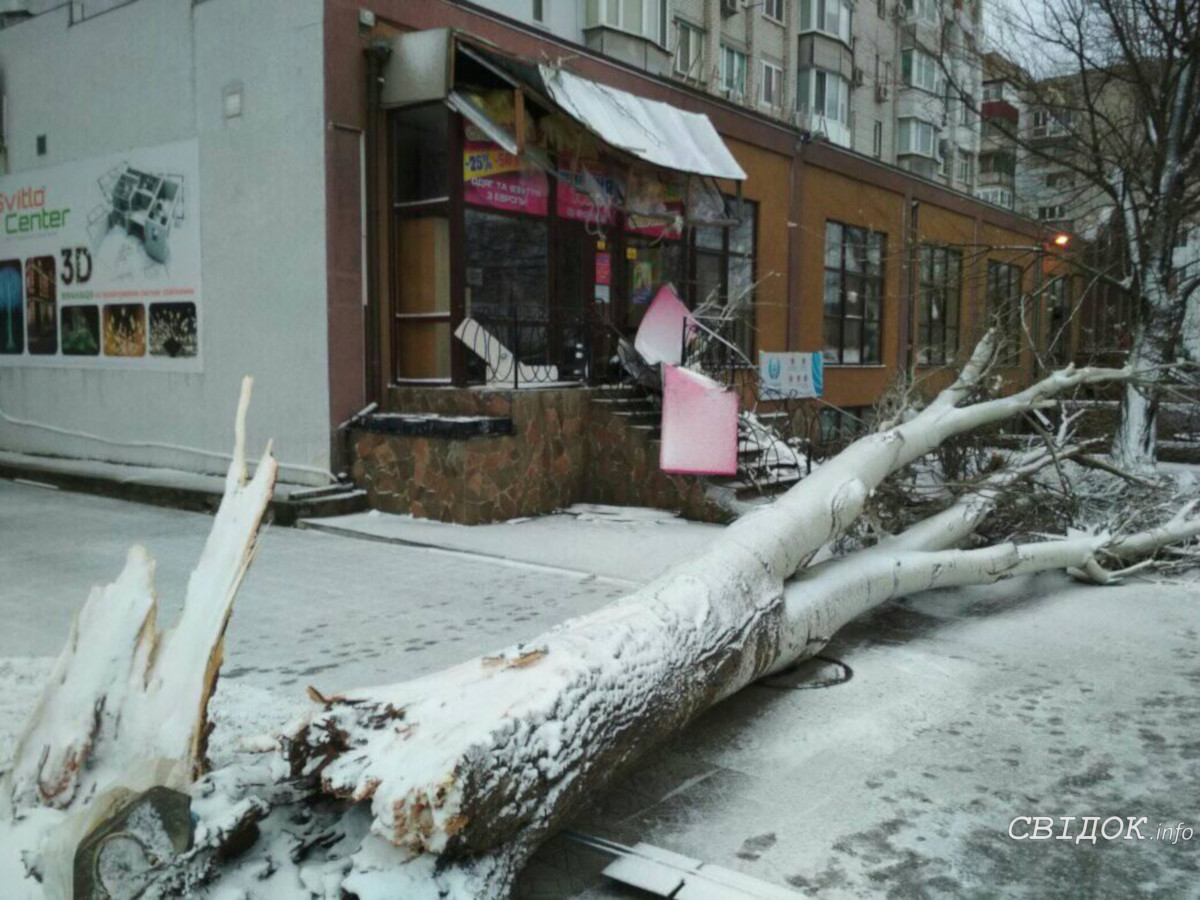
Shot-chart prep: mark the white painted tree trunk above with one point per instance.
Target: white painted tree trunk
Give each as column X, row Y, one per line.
column 123, row 696
column 497, row 752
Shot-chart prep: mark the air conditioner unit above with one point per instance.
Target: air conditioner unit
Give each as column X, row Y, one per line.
column 730, row 7
column 859, row 77
column 901, row 12
column 882, row 91
column 944, row 147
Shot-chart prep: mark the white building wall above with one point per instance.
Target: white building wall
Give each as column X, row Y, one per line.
column 152, row 72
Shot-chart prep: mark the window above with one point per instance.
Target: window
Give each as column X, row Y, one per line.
column 938, row 301
column 725, row 265
column 999, row 196
column 770, row 84
column 916, row 136
column 1060, row 180
column 993, row 90
column 823, row 94
column 689, row 55
column 1001, row 163
column 881, row 8
column 645, row 18
column 1004, row 308
column 965, row 169
column 920, row 70
column 539, row 10
column 1058, row 322
column 1052, row 213
column 929, row 11
column 967, row 109
column 841, row 424
column 854, row 259
column 1048, row 123
column 733, row 71
column 41, row 145
column 877, row 146
column 773, row 9
column 832, row 17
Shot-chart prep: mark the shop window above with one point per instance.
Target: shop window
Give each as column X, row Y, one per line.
column 421, row 223
column 726, row 270
column 939, row 300
column 1058, row 321
column 649, row 263
column 506, row 265
column 838, row 424
column 854, row 261
column 421, row 138
column 1004, row 304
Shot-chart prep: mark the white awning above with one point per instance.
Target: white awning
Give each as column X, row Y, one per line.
column 656, row 132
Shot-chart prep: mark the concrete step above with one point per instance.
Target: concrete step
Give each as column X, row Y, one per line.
column 640, row 416
column 341, row 502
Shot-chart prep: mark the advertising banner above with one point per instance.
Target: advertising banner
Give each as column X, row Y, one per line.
column 496, row 178
column 791, row 374
column 587, row 192
column 100, row 262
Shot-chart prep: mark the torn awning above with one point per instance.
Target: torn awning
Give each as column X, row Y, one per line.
column 655, row 132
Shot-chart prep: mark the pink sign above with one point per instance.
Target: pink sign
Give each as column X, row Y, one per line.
column 660, row 335
column 603, row 268
column 576, row 202
column 494, row 177
column 699, row 425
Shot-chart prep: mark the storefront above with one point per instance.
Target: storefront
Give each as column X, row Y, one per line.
column 535, row 214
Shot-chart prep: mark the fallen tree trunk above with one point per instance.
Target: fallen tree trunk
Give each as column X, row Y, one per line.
column 480, row 762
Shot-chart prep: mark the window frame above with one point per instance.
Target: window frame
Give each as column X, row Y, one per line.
column 946, row 288
column 1001, row 274
column 729, row 52
column 814, row 16
column 778, row 6
column 907, row 147
column 776, row 80
column 915, row 65
column 870, row 353
column 696, row 54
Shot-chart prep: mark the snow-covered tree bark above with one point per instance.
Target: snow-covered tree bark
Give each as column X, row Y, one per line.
column 124, row 696
column 495, row 753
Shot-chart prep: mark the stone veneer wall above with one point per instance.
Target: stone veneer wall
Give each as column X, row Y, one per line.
column 564, row 449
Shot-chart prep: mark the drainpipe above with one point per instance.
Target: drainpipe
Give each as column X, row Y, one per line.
column 377, row 56
column 910, row 360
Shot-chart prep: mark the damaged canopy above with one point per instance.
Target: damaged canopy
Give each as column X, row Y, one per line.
column 654, row 132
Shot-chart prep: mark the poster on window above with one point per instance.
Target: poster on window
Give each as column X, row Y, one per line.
column 587, row 192
column 791, row 374
column 660, row 197
column 100, row 262
column 497, row 179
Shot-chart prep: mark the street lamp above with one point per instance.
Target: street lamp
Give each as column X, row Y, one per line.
column 1062, row 239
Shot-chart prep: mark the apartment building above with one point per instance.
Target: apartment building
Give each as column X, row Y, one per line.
column 896, row 80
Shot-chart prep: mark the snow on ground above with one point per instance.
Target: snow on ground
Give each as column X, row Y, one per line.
column 615, row 542
column 963, row 709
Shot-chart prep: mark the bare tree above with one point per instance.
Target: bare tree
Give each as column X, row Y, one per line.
column 1117, row 82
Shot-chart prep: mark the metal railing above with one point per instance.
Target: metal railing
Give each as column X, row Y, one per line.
column 521, row 347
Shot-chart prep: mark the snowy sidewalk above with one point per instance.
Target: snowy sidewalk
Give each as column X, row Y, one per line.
column 632, row 545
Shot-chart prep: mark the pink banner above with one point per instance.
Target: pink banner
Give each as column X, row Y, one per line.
column 494, row 177
column 699, row 425
column 574, row 201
